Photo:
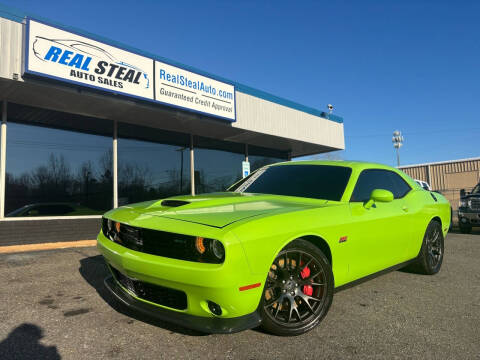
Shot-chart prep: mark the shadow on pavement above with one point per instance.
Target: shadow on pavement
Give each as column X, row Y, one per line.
column 94, row 270
column 24, row 343
column 475, row 231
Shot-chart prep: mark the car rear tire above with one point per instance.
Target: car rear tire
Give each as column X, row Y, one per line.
column 430, row 257
column 298, row 291
column 465, row 229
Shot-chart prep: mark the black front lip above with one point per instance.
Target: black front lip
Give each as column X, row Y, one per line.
column 212, row 325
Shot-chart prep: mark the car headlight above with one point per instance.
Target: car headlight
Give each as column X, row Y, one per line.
column 210, row 249
column 218, row 249
column 462, row 203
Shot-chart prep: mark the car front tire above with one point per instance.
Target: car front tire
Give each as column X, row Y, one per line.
column 298, row 291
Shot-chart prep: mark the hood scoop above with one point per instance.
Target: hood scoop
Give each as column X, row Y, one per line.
column 174, row 203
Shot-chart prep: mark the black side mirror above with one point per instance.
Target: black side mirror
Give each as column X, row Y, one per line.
column 462, row 193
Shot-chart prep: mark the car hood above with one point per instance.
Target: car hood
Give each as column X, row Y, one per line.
column 222, row 209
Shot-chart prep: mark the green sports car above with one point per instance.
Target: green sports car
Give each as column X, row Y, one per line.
column 274, row 247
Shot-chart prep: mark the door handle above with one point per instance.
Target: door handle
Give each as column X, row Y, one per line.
column 404, row 208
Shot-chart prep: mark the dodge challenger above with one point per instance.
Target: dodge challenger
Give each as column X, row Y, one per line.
column 273, row 248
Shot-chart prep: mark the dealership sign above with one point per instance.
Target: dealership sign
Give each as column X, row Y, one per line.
column 183, row 88
column 62, row 55
column 66, row 56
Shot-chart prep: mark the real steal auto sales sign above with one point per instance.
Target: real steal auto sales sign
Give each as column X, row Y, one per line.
column 66, row 56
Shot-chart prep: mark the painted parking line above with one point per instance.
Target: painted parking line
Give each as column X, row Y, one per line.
column 46, row 246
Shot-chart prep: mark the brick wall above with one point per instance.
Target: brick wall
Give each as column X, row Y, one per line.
column 40, row 231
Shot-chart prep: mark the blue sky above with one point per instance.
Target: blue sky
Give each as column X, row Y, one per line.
column 384, row 65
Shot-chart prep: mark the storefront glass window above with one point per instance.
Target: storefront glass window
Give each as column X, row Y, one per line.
column 216, row 170
column 149, row 171
column 53, row 172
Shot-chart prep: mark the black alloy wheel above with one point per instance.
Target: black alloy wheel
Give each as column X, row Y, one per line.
column 298, row 291
column 431, row 254
column 435, row 247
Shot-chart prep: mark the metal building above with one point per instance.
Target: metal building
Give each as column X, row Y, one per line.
column 448, row 177
column 89, row 124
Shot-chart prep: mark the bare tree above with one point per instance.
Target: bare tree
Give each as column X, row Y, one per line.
column 105, row 165
column 59, row 170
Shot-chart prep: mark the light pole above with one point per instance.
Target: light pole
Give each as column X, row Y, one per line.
column 397, row 140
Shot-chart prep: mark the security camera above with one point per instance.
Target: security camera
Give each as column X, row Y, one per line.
column 330, row 107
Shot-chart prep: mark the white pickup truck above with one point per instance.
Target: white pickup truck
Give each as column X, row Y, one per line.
column 423, row 184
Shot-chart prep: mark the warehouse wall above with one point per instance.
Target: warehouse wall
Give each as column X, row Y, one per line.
column 448, row 177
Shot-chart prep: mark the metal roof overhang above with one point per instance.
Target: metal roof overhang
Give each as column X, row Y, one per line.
column 78, row 100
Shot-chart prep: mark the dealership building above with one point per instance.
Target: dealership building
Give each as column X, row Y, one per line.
column 89, row 124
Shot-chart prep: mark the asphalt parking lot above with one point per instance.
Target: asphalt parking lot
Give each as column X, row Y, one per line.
column 53, row 305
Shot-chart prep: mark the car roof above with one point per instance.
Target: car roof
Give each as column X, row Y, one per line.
column 357, row 165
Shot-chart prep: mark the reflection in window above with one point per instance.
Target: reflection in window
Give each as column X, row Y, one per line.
column 216, row 170
column 257, row 162
column 54, row 172
column 149, row 171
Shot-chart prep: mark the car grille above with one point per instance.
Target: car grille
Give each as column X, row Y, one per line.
column 475, row 204
column 155, row 242
column 160, row 295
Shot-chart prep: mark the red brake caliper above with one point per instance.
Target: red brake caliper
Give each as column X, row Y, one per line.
column 305, row 273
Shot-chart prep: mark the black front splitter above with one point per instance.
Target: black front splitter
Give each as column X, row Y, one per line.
column 211, row 325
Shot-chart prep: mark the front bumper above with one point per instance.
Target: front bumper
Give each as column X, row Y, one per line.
column 213, row 325
column 469, row 218
column 201, row 282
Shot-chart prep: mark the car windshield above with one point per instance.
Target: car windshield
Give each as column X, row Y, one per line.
column 310, row 181
column 17, row 211
column 476, row 189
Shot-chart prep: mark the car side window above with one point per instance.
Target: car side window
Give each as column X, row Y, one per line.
column 32, row 212
column 63, row 209
column 372, row 179
column 45, row 210
column 401, row 186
